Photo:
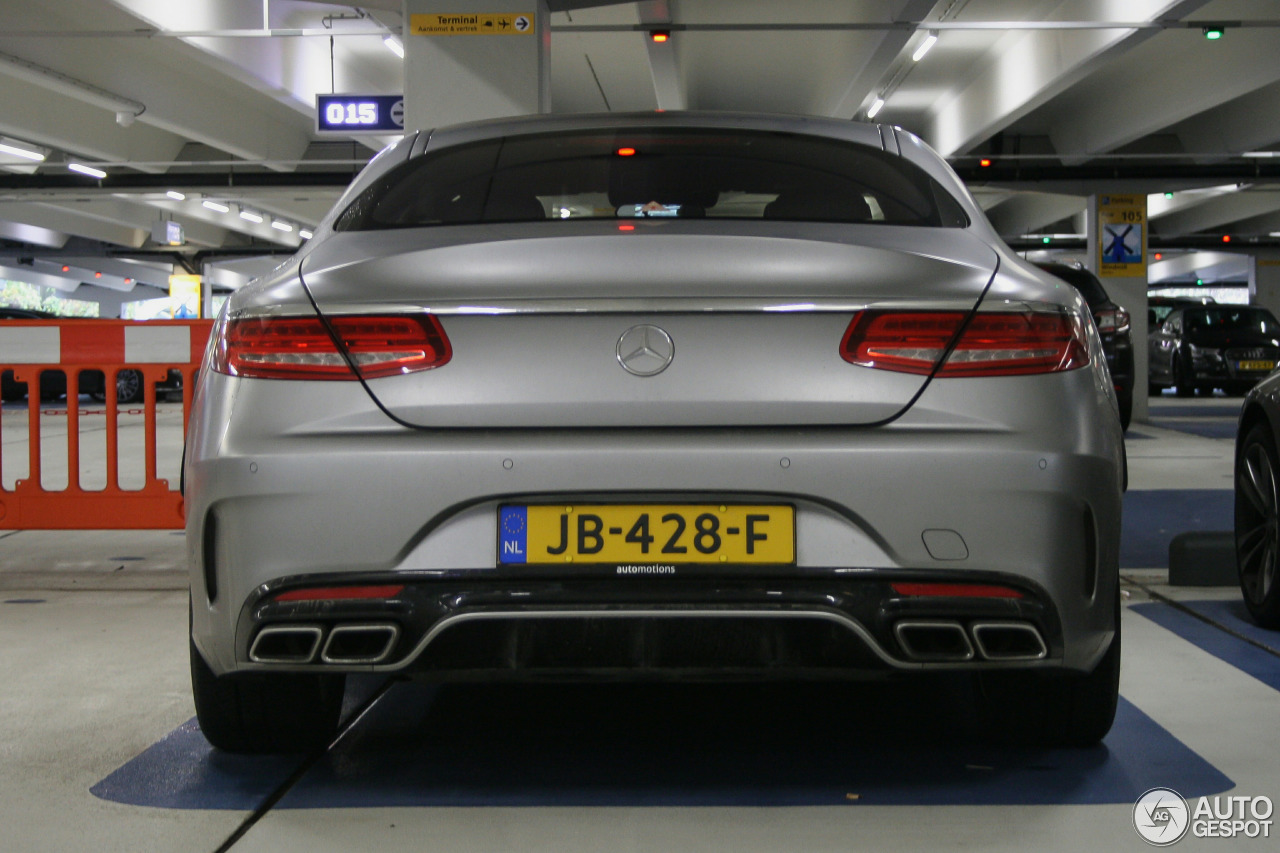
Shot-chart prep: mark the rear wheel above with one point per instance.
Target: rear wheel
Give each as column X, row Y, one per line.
column 1257, row 530
column 128, row 386
column 1054, row 708
column 261, row 713
column 1182, row 384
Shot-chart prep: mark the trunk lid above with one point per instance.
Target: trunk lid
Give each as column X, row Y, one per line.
column 555, row 329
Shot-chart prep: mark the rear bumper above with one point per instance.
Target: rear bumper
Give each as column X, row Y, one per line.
column 329, row 489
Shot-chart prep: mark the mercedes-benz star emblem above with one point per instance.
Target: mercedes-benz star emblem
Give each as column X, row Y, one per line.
column 645, row 350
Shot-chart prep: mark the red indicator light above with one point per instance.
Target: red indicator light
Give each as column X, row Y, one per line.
column 97, row 275
column 339, row 593
column 626, row 152
column 626, row 228
column 1226, row 238
column 955, row 590
column 66, row 268
column 984, row 162
column 659, row 36
column 1159, row 256
column 128, row 281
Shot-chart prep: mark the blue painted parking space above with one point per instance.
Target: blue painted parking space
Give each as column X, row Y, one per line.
column 1238, row 645
column 1203, row 427
column 670, row 745
column 1153, row 517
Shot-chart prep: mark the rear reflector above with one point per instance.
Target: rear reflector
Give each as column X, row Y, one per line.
column 993, row 344
column 340, row 593
column 955, row 590
column 301, row 348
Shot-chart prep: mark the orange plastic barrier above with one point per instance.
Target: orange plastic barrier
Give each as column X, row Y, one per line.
column 29, row 348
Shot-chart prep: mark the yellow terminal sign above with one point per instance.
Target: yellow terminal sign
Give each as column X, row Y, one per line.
column 1122, row 236
column 464, row 24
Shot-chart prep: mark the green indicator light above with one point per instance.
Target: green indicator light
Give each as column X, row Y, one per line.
column 1046, row 240
column 1168, row 195
column 1213, row 33
column 1199, row 282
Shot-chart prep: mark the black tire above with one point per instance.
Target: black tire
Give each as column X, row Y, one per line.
column 1257, row 533
column 1054, row 709
column 128, row 386
column 266, row 713
column 1182, row 384
column 1126, row 411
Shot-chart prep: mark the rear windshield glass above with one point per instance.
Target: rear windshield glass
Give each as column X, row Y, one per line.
column 1230, row 320
column 678, row 173
column 1082, row 280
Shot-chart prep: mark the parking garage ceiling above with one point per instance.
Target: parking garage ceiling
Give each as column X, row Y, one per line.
column 213, row 101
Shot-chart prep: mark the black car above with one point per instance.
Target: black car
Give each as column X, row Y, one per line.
column 1113, row 324
column 1158, row 308
column 1202, row 347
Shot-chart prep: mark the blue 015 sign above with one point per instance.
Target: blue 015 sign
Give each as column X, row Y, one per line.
column 347, row 114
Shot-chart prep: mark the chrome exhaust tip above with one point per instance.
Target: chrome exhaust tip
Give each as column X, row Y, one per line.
column 360, row 644
column 286, row 644
column 1009, row 641
column 933, row 640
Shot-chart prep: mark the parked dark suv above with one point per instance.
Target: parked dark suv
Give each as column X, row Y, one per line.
column 1113, row 324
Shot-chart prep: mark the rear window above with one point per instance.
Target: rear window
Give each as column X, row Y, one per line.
column 1231, row 320
column 1082, row 280
column 677, row 173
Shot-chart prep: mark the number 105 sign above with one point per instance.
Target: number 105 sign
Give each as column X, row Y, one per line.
column 348, row 114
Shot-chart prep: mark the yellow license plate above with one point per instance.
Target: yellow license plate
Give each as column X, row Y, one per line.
column 646, row 534
column 1257, row 365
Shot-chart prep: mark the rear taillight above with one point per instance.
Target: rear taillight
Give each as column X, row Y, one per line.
column 1112, row 320
column 301, row 347
column 992, row 344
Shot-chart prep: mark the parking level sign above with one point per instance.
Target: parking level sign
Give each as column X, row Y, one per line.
column 1122, row 236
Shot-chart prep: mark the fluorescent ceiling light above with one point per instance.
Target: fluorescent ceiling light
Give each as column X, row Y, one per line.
column 304, row 233
column 1261, row 154
column 87, row 170
column 281, row 226
column 875, row 107
column 250, row 215
column 393, row 44
column 213, row 205
column 175, row 195
column 924, row 47
column 19, row 151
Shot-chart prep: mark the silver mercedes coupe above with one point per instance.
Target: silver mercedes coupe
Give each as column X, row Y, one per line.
column 661, row 395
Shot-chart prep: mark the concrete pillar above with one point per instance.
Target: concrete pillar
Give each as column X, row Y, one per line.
column 1264, row 279
column 502, row 71
column 1130, row 293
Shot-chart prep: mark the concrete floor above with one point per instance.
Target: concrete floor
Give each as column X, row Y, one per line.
column 97, row 751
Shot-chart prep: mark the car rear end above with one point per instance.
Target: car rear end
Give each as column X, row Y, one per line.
column 681, row 445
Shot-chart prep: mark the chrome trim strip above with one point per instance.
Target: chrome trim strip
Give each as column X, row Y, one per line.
column 949, row 625
column 618, row 305
column 978, row 627
column 313, row 630
column 393, row 634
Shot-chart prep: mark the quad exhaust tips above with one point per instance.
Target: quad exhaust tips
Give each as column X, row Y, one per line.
column 346, row 644
column 934, row 640
column 1008, row 641
column 947, row 641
